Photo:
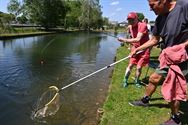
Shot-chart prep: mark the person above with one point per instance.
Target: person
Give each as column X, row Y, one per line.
column 171, row 25
column 139, row 35
column 145, row 20
column 127, row 35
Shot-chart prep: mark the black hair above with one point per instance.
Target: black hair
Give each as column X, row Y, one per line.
column 146, row 20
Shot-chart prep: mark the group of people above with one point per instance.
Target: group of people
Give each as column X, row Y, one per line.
column 171, row 25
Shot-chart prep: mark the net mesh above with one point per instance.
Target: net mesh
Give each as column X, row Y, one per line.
column 48, row 104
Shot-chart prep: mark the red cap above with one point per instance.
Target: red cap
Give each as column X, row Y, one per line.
column 132, row 15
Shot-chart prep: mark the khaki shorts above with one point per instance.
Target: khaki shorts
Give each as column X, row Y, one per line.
column 183, row 66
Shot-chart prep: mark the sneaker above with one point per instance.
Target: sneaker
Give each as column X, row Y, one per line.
column 139, row 103
column 137, row 84
column 170, row 122
column 125, row 83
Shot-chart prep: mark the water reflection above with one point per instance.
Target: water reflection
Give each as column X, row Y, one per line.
column 67, row 58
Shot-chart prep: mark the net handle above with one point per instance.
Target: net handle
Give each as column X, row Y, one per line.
column 110, row 35
column 106, row 67
column 106, row 33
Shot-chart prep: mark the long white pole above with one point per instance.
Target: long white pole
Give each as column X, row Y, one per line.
column 106, row 67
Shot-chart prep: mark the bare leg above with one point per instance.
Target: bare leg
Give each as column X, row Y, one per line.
column 128, row 71
column 138, row 73
column 174, row 105
column 154, row 80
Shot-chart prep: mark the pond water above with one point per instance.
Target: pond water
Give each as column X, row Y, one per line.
column 28, row 66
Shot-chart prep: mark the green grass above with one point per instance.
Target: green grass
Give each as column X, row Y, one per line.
column 19, row 32
column 117, row 111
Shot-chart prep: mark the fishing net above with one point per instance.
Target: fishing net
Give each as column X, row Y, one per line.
column 48, row 104
column 50, row 101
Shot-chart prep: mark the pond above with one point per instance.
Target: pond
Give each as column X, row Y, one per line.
column 28, row 66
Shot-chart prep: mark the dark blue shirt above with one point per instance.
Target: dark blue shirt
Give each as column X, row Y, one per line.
column 173, row 27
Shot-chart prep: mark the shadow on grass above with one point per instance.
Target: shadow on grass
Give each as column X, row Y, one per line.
column 184, row 110
column 155, row 99
column 154, row 57
column 183, row 106
column 153, row 64
column 159, row 105
column 145, row 80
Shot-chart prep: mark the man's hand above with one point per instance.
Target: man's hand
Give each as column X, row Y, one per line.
column 121, row 39
column 133, row 53
column 186, row 44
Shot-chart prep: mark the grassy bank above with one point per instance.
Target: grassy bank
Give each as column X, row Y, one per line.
column 117, row 111
column 29, row 31
column 16, row 35
column 20, row 32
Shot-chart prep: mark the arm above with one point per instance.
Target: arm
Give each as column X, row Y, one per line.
column 186, row 44
column 132, row 40
column 152, row 42
column 142, row 29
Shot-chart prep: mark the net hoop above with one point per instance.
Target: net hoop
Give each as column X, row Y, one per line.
column 57, row 92
column 48, row 104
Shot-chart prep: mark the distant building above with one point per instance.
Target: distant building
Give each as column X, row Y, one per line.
column 123, row 24
column 114, row 22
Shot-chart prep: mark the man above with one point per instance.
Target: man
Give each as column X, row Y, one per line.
column 172, row 26
column 139, row 35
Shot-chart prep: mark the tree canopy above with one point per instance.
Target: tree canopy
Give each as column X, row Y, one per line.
column 84, row 14
column 140, row 16
column 52, row 13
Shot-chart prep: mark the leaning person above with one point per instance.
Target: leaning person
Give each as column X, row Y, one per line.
column 139, row 35
column 172, row 26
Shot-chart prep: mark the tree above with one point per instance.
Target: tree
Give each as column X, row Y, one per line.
column 52, row 13
column 105, row 21
column 152, row 22
column 22, row 19
column 91, row 14
column 73, row 13
column 7, row 17
column 5, row 20
column 140, row 16
column 48, row 13
column 14, row 7
column 96, row 18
